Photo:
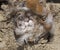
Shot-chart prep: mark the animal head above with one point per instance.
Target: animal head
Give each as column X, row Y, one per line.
column 35, row 5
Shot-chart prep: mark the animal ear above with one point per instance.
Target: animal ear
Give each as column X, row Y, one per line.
column 35, row 6
column 39, row 9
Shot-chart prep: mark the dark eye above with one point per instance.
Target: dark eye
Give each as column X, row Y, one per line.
column 20, row 24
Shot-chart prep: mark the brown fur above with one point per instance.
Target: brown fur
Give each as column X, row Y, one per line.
column 35, row 6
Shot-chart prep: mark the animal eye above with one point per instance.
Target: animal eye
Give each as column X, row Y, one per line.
column 20, row 24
